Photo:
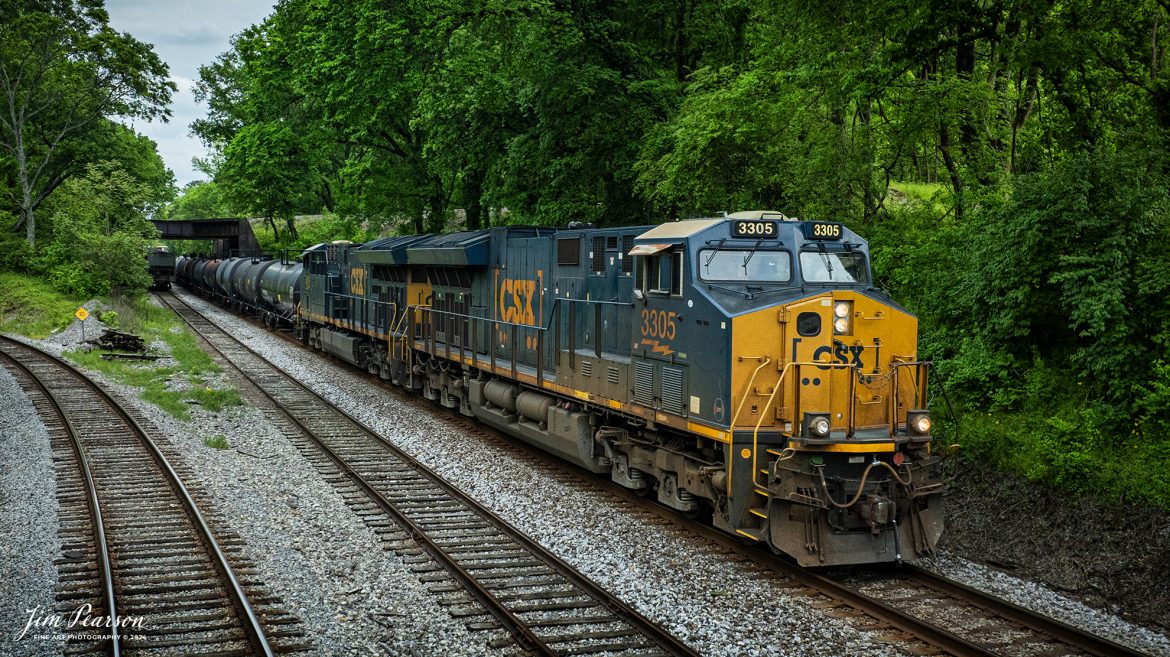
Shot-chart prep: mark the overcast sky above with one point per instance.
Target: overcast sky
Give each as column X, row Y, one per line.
column 185, row 35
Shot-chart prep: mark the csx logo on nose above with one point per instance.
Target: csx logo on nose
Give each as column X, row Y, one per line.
column 842, row 353
column 515, row 301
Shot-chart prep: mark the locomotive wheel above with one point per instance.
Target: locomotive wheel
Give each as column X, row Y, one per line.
column 694, row 514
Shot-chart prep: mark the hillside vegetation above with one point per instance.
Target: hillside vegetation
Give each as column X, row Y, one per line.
column 1008, row 162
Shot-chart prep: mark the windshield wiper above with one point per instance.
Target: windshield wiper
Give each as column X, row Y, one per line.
column 748, row 257
column 712, row 286
column 714, row 252
column 827, row 260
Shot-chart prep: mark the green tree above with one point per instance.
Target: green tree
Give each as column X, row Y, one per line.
column 63, row 70
column 274, row 158
column 97, row 233
column 199, row 199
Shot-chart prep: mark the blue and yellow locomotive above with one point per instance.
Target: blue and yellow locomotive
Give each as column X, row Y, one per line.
column 743, row 367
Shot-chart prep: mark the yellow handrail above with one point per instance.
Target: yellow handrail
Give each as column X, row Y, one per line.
column 735, row 418
column 760, row 422
column 402, row 339
column 795, row 411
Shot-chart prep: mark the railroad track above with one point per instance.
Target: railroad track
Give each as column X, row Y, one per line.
column 994, row 625
column 923, row 612
column 135, row 547
column 496, row 577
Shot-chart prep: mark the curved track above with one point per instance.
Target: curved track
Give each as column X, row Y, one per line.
column 910, row 606
column 546, row 606
column 136, row 547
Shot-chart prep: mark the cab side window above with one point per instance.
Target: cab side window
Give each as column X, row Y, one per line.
column 661, row 273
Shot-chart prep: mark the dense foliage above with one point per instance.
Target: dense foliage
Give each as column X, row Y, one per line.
column 77, row 184
column 1008, row 160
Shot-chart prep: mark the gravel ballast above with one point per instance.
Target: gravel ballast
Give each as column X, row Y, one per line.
column 28, row 522
column 354, row 596
column 717, row 607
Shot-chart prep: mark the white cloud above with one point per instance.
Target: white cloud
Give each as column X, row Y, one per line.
column 186, row 38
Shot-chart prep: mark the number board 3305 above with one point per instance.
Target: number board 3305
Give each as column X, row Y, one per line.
column 819, row 230
column 757, row 229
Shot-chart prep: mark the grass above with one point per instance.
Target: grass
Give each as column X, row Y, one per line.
column 30, row 307
column 190, row 365
column 218, row 441
column 935, row 195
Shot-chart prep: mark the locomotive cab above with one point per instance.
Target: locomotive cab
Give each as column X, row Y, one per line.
column 769, row 331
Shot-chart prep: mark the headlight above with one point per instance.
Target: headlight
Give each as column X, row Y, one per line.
column 841, row 311
column 819, row 426
column 922, row 424
column 816, row 425
column 918, row 423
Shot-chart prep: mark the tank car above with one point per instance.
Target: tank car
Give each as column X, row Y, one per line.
column 740, row 368
column 225, row 278
column 246, row 282
column 280, row 292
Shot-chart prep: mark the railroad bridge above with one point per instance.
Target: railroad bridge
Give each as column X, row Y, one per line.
column 230, row 236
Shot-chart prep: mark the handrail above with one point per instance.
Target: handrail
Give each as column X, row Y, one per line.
column 540, row 332
column 795, row 409
column 919, row 388
column 759, row 422
column 494, row 322
column 735, row 418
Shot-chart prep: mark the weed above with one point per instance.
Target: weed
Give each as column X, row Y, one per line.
column 218, row 441
column 189, row 364
column 31, row 307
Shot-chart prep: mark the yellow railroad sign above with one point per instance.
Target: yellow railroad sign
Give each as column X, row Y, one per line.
column 81, row 313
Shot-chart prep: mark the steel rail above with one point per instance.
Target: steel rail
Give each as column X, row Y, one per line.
column 516, row 626
column 1036, row 622
column 99, row 527
column 251, row 625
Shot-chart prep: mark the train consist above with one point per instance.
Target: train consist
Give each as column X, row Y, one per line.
column 742, row 369
column 268, row 287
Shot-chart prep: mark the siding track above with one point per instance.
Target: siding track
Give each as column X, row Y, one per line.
column 497, row 578
column 135, row 544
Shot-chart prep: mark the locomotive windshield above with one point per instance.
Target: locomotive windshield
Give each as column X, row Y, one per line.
column 757, row 266
column 827, row 267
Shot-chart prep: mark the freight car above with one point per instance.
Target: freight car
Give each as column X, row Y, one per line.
column 267, row 287
column 741, row 368
column 160, row 265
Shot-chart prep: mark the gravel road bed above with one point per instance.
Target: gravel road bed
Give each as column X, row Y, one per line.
column 28, row 522
column 1043, row 600
column 683, row 583
column 354, row 596
column 716, row 607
